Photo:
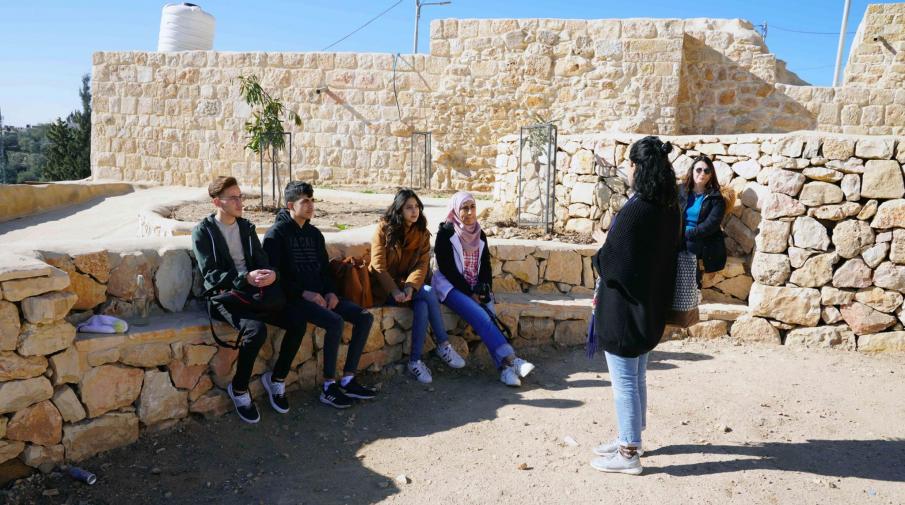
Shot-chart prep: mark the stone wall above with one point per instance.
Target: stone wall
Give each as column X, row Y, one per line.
column 20, row 200
column 56, row 402
column 176, row 118
column 591, row 187
column 877, row 55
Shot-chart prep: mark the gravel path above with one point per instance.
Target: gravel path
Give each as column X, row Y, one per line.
column 727, row 424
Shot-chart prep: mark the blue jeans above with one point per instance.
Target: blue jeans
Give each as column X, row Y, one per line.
column 477, row 317
column 425, row 307
column 629, row 378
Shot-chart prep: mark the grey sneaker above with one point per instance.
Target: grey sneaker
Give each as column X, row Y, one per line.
column 419, row 370
column 522, row 367
column 509, row 377
column 450, row 356
column 617, row 463
column 610, row 448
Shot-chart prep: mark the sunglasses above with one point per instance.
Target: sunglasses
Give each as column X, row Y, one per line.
column 701, row 170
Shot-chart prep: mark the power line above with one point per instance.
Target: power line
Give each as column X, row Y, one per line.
column 806, row 32
column 353, row 32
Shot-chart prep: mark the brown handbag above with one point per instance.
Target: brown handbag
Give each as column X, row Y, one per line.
column 353, row 281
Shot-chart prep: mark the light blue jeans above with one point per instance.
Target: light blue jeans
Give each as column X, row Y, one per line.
column 477, row 317
column 629, row 378
column 425, row 307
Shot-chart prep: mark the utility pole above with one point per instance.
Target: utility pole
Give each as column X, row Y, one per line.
column 418, row 5
column 2, row 151
column 848, row 3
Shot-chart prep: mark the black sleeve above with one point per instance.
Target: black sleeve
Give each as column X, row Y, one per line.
column 485, row 273
column 446, row 262
column 326, row 274
column 711, row 223
column 275, row 247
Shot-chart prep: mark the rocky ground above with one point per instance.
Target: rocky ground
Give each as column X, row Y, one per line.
column 727, row 424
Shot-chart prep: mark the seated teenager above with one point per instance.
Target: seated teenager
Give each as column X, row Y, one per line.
column 298, row 251
column 400, row 262
column 230, row 257
column 463, row 282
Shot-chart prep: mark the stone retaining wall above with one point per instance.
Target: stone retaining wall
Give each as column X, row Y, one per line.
column 20, row 200
column 57, row 402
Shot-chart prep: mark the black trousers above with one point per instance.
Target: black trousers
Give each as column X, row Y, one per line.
column 252, row 334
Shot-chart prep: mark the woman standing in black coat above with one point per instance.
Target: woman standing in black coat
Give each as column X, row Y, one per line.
column 637, row 268
column 703, row 207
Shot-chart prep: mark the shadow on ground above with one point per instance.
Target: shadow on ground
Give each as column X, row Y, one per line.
column 309, row 455
column 867, row 459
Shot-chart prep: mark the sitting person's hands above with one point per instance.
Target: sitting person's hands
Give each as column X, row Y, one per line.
column 332, row 300
column 261, row 278
column 314, row 297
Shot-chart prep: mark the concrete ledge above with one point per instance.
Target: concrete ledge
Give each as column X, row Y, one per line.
column 19, row 200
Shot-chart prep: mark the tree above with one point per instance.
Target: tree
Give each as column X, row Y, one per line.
column 62, row 153
column 69, row 151
column 265, row 131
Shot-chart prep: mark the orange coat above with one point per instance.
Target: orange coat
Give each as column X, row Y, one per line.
column 395, row 268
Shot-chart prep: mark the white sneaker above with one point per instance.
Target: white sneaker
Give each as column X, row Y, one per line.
column 509, row 377
column 522, row 367
column 450, row 356
column 617, row 463
column 419, row 370
column 610, row 448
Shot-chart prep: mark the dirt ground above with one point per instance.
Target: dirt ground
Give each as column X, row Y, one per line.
column 727, row 424
column 328, row 216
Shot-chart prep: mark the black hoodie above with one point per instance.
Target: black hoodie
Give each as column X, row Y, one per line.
column 299, row 253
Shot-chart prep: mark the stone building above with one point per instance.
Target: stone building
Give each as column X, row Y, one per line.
column 176, row 118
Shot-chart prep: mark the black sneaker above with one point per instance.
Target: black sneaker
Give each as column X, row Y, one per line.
column 276, row 391
column 245, row 407
column 355, row 390
column 334, row 397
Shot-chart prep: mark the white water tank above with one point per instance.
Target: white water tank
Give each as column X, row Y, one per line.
column 185, row 27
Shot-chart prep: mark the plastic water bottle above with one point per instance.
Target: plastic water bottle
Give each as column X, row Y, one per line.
column 140, row 302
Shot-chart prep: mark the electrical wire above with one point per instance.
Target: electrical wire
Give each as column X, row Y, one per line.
column 774, row 27
column 353, row 32
column 395, row 93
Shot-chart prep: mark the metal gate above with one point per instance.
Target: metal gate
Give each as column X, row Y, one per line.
column 537, row 175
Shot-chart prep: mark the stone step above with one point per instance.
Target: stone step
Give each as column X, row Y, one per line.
column 192, row 326
column 189, row 326
column 722, row 311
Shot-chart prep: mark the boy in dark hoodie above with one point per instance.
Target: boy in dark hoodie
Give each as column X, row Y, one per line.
column 298, row 250
column 230, row 256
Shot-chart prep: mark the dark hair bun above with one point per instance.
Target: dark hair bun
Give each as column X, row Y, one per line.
column 666, row 148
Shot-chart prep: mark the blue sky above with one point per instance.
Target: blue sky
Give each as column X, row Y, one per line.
column 48, row 44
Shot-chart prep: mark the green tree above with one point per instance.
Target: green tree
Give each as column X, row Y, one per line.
column 62, row 153
column 68, row 153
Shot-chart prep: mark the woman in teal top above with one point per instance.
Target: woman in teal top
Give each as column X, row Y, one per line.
column 703, row 208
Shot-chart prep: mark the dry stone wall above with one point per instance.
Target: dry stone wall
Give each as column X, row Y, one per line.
column 56, row 399
column 176, row 118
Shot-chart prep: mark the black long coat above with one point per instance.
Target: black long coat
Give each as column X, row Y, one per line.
column 637, row 267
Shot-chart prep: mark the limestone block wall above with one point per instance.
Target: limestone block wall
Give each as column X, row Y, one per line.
column 877, row 56
column 176, row 118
